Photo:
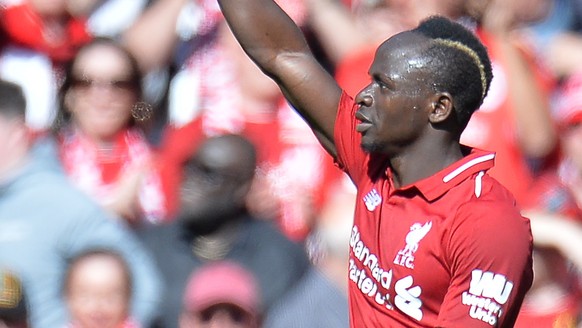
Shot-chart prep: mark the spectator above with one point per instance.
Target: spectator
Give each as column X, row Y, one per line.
column 98, row 291
column 218, row 90
column 515, row 118
column 555, row 297
column 214, row 224
column 41, row 37
column 350, row 31
column 45, row 221
column 100, row 143
column 553, row 204
column 557, row 37
column 13, row 303
column 320, row 299
column 222, row 294
column 107, row 18
column 568, row 116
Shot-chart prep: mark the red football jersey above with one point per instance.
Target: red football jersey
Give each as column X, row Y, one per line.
column 451, row 250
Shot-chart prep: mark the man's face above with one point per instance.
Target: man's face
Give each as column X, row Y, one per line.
column 212, row 188
column 394, row 105
column 98, row 293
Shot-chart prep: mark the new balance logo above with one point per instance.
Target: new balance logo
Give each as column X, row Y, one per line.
column 372, row 200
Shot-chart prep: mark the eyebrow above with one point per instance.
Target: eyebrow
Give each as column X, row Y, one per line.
column 384, row 78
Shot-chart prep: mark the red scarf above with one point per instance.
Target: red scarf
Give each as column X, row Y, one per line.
column 98, row 174
column 25, row 28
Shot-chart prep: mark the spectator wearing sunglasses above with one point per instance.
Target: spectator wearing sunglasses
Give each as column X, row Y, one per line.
column 99, row 127
column 214, row 224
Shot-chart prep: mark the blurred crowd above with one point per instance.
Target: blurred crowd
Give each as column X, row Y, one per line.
column 152, row 176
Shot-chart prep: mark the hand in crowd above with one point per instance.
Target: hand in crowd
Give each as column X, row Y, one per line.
column 124, row 200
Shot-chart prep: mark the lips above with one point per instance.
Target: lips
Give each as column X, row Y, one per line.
column 365, row 122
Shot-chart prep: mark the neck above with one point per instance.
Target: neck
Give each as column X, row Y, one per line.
column 217, row 244
column 422, row 160
column 102, row 142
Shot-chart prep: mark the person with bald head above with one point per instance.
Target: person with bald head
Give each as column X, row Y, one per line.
column 436, row 241
column 97, row 290
column 214, row 224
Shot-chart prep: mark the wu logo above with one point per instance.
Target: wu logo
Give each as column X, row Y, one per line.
column 490, row 285
column 372, row 200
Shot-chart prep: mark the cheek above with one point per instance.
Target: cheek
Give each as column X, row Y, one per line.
column 104, row 118
column 102, row 301
column 398, row 120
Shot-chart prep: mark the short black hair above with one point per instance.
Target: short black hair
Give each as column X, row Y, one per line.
column 12, row 100
column 461, row 64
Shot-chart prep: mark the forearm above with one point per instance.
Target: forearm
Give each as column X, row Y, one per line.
column 335, row 27
column 264, row 31
column 277, row 45
column 152, row 38
column 536, row 132
column 561, row 233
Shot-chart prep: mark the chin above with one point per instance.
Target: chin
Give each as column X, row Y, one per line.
column 369, row 147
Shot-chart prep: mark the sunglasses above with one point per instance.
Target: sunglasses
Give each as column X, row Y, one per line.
column 209, row 175
column 88, row 83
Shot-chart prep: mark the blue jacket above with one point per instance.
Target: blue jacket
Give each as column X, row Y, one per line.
column 44, row 221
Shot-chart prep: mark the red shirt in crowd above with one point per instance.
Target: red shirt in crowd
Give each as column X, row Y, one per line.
column 451, row 250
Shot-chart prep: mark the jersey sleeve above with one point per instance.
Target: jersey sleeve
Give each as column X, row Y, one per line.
column 350, row 156
column 490, row 256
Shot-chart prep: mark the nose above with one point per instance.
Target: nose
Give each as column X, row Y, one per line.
column 363, row 98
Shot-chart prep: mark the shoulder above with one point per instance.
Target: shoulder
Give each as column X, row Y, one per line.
column 159, row 237
column 491, row 220
column 41, row 183
column 271, row 242
column 266, row 232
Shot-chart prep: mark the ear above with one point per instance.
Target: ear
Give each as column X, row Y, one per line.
column 441, row 107
column 243, row 192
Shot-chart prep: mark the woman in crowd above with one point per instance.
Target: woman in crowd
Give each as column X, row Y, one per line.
column 100, row 143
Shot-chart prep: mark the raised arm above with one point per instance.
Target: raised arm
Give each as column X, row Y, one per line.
column 275, row 43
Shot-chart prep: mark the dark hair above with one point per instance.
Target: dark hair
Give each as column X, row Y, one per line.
column 461, row 65
column 239, row 146
column 63, row 115
column 12, row 100
column 98, row 252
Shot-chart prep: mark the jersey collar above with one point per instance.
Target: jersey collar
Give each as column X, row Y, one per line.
column 442, row 181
